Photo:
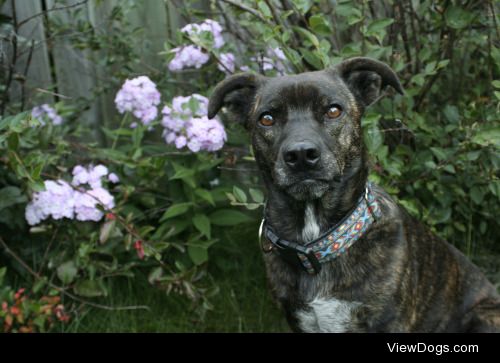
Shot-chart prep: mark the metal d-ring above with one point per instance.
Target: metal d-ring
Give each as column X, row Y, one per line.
column 261, row 238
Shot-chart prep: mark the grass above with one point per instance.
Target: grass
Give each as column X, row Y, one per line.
column 243, row 303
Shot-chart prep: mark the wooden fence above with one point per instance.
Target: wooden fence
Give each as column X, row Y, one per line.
column 47, row 67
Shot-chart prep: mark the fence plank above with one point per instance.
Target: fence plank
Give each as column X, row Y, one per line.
column 37, row 80
column 99, row 12
column 75, row 72
column 152, row 18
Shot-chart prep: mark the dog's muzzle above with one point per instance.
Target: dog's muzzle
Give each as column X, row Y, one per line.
column 301, row 156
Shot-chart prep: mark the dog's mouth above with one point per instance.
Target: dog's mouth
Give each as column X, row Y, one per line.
column 308, row 189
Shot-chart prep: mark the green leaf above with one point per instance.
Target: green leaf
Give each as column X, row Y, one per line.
column 487, row 136
column 311, row 58
column 3, row 271
column 373, row 138
column 494, row 187
column 90, row 288
column 155, row 274
column 182, row 173
column 18, row 122
column 257, row 195
column 348, row 10
column 450, row 169
column 477, row 194
column 229, row 217
column 457, row 18
column 10, row 196
column 451, row 113
column 38, row 285
column 443, row 63
column 303, row 6
column 205, row 195
column 439, row 153
column 239, row 194
column 496, row 83
column 375, row 27
column 252, row 206
column 320, row 25
column 308, row 35
column 198, row 255
column 264, row 9
column 106, row 230
column 473, row 155
column 67, row 272
column 202, row 224
column 411, row 207
column 176, row 210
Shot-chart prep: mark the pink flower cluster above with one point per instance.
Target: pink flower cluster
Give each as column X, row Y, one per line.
column 44, row 112
column 187, row 57
column 186, row 124
column 227, row 60
column 77, row 201
column 139, row 96
column 209, row 26
column 274, row 58
column 192, row 55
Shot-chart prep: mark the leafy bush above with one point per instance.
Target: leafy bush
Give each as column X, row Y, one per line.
column 434, row 148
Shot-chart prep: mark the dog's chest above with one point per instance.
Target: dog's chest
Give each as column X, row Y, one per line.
column 323, row 315
column 327, row 316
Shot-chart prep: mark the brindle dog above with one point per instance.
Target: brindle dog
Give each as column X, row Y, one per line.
column 398, row 277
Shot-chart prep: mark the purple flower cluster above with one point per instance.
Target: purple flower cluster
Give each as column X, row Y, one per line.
column 278, row 59
column 210, row 26
column 227, row 59
column 139, row 96
column 44, row 112
column 274, row 58
column 187, row 57
column 77, row 201
column 192, row 55
column 186, row 124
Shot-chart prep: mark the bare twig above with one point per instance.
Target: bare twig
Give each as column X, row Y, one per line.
column 404, row 34
column 13, row 60
column 53, row 93
column 43, row 13
column 246, row 9
column 494, row 17
column 416, row 42
column 25, row 73
column 46, row 253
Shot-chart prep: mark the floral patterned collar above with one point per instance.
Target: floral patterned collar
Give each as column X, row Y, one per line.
column 331, row 244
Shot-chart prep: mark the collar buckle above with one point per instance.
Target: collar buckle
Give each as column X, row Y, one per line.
column 284, row 246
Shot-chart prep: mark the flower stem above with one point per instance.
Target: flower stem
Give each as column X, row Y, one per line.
column 121, row 126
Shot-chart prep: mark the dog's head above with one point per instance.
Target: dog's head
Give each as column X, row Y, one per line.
column 306, row 128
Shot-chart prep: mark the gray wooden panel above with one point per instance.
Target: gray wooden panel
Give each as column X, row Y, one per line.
column 154, row 22
column 99, row 12
column 74, row 69
column 38, row 81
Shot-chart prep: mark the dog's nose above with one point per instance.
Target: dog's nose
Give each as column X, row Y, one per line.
column 301, row 155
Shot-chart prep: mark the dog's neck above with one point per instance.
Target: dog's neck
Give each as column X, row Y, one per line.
column 303, row 221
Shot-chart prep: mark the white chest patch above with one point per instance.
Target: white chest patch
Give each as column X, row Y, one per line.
column 327, row 316
column 311, row 226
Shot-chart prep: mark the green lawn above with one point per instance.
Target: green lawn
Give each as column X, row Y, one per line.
column 243, row 303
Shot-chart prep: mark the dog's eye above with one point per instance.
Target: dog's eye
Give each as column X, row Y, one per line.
column 266, row 120
column 334, row 112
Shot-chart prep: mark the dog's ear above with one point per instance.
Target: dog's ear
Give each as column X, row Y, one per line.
column 366, row 78
column 236, row 92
